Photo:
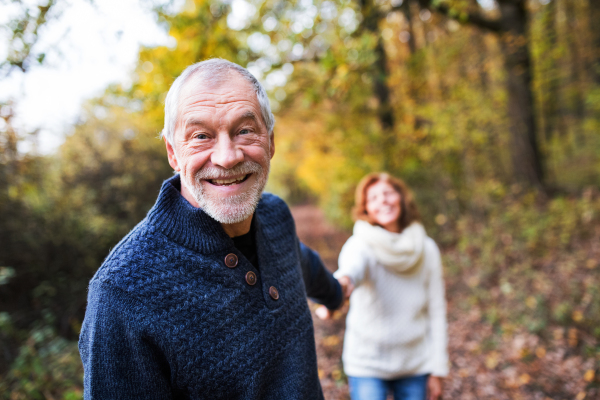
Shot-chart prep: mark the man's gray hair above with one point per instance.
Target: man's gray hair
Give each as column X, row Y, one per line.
column 213, row 72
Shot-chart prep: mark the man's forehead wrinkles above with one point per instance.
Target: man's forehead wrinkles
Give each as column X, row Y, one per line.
column 217, row 101
column 240, row 112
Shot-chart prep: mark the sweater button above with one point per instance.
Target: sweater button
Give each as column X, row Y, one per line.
column 231, row 260
column 274, row 293
column 251, row 278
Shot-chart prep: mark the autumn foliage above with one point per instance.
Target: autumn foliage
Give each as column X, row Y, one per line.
column 455, row 97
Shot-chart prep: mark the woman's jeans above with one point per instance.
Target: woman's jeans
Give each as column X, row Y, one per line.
column 408, row 388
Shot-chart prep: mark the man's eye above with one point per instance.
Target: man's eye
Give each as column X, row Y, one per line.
column 200, row 136
column 244, row 131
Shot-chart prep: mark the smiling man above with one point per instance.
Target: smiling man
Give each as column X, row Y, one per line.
column 206, row 297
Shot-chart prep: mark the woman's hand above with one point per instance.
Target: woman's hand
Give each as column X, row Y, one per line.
column 434, row 388
column 347, row 286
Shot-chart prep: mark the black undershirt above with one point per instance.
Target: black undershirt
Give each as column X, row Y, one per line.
column 246, row 244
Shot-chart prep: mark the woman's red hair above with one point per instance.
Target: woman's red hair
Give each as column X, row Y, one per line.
column 408, row 207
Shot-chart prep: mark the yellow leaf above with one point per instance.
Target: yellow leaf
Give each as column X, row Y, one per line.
column 342, row 70
column 580, row 396
column 473, row 281
column 441, row 219
column 531, row 302
column 577, row 316
column 540, row 352
column 573, row 337
column 558, row 334
column 332, row 340
column 492, row 360
column 589, row 375
column 336, row 375
column 524, row 379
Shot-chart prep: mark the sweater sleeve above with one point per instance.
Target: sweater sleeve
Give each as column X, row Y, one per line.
column 320, row 284
column 353, row 261
column 437, row 312
column 119, row 361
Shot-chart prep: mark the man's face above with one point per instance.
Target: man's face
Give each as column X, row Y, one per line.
column 221, row 148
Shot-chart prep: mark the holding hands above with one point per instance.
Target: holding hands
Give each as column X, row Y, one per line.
column 347, row 287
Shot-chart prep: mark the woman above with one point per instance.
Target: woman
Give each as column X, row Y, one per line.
column 396, row 338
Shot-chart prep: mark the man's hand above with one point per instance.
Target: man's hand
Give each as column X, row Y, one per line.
column 434, row 388
column 323, row 312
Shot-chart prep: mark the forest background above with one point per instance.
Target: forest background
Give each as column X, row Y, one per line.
column 489, row 110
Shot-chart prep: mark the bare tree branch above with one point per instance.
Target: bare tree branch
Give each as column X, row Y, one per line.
column 25, row 33
column 473, row 18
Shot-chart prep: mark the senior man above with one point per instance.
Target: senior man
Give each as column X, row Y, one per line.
column 206, row 297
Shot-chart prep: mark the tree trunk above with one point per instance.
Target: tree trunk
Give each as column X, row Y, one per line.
column 551, row 112
column 576, row 63
column 384, row 111
column 479, row 43
column 594, row 18
column 512, row 26
column 526, row 157
column 415, row 63
column 412, row 43
column 381, row 90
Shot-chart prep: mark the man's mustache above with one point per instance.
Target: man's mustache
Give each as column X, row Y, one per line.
column 212, row 172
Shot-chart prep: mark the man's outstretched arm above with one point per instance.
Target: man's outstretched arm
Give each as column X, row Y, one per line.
column 320, row 284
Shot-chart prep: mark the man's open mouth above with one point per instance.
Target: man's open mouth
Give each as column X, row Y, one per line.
column 228, row 181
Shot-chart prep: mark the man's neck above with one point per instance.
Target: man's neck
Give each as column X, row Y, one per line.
column 238, row 229
column 232, row 230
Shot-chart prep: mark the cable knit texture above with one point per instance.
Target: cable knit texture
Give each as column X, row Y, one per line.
column 167, row 319
column 396, row 325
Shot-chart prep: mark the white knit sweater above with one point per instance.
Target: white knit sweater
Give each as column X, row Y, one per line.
column 396, row 325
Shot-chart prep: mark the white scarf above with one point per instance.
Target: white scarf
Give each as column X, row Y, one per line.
column 398, row 252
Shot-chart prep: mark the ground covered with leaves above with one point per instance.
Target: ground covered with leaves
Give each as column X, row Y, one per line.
column 523, row 298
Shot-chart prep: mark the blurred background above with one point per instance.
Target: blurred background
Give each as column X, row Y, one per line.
column 488, row 109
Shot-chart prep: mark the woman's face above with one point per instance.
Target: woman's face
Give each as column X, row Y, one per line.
column 383, row 205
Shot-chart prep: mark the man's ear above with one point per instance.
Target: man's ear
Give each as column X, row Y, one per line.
column 171, row 155
column 272, row 144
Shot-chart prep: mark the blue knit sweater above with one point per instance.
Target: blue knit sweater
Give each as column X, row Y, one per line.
column 168, row 319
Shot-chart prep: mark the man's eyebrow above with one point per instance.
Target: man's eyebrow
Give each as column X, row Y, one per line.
column 248, row 115
column 194, row 122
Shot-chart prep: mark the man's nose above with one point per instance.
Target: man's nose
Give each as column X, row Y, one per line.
column 226, row 154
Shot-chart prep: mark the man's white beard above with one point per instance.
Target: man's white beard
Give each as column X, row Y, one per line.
column 231, row 209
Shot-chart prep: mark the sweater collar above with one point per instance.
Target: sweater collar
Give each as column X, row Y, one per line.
column 185, row 224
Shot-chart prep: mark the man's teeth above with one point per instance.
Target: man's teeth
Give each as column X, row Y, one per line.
column 228, row 181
